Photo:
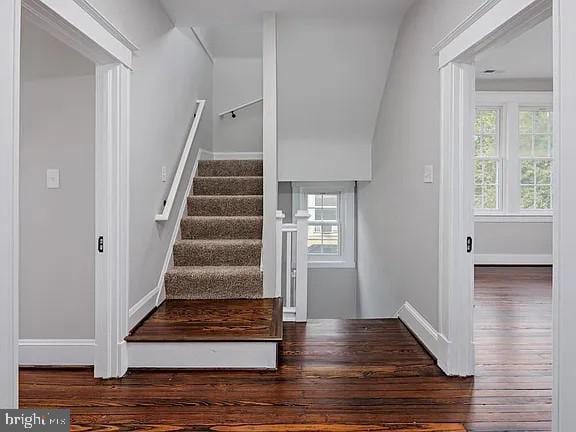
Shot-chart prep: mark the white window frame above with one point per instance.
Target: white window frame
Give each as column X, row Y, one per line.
column 346, row 191
column 510, row 104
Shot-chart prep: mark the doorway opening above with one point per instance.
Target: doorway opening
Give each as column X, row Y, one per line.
column 513, row 164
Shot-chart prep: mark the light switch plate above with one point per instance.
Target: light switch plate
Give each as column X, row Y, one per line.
column 164, row 174
column 53, row 178
column 428, row 174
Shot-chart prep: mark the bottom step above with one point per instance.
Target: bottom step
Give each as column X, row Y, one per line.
column 203, row 355
column 208, row 334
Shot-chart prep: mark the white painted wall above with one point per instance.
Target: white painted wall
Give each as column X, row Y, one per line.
column 397, row 212
column 171, row 71
column 520, row 84
column 57, row 225
column 331, row 74
column 237, row 80
column 331, row 291
column 513, row 238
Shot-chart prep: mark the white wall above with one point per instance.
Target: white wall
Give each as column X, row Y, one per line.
column 520, row 84
column 331, row 291
column 237, row 80
column 331, row 74
column 57, row 225
column 504, row 239
column 398, row 213
column 171, row 71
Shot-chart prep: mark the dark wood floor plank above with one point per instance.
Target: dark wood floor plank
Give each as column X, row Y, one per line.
column 238, row 320
column 336, row 376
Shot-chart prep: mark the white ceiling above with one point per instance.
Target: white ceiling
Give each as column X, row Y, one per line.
column 528, row 56
column 213, row 12
column 233, row 28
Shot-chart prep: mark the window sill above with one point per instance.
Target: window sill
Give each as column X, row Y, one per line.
column 514, row 218
column 331, row 264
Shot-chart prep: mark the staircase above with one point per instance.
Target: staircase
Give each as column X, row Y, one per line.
column 219, row 254
column 214, row 315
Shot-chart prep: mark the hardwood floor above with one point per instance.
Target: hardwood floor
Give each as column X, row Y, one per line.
column 342, row 376
column 240, row 320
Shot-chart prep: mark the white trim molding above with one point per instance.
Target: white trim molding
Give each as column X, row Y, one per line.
column 513, row 218
column 78, row 25
column 9, row 218
column 270, row 150
column 496, row 22
column 420, row 327
column 237, row 155
column 513, row 259
column 204, row 355
column 57, row 352
column 105, row 23
column 564, row 300
column 112, row 218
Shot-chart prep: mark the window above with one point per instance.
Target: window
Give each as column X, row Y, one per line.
column 487, row 159
column 331, row 224
column 513, row 153
column 535, row 159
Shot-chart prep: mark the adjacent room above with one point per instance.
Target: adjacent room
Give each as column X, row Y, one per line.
column 513, row 201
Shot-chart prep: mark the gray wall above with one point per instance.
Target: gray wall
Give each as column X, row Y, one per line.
column 171, row 71
column 331, row 74
column 511, row 238
column 57, row 225
column 397, row 213
column 523, row 84
column 331, row 291
column 237, row 81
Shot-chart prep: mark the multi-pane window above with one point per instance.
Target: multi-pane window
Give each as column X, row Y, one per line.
column 324, row 224
column 487, row 159
column 535, row 159
column 513, row 142
column 331, row 229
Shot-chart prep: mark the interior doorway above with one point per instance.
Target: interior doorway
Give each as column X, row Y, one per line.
column 57, row 202
column 513, row 163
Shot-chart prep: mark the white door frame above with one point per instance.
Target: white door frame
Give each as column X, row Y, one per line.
column 9, row 227
column 80, row 26
column 494, row 22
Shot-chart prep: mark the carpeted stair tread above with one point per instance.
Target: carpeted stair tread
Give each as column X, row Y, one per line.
column 225, row 205
column 230, row 168
column 244, row 252
column 221, row 227
column 213, row 282
column 228, row 186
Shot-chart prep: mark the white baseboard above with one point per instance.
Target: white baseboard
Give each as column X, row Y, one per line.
column 57, row 352
column 421, row 328
column 139, row 311
column 203, row 355
column 512, row 259
column 237, row 155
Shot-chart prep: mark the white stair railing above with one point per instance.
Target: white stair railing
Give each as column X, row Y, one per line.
column 292, row 249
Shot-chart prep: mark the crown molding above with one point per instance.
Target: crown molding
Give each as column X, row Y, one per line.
column 107, row 24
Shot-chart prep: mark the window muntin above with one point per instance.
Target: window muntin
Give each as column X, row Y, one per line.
column 487, row 163
column 535, row 152
column 324, row 223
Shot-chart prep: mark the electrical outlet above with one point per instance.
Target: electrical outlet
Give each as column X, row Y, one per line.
column 164, row 174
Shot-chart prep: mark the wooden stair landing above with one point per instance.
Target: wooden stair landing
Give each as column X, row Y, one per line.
column 226, row 320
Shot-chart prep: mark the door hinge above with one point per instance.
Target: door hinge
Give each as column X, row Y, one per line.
column 101, row 244
column 469, row 244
